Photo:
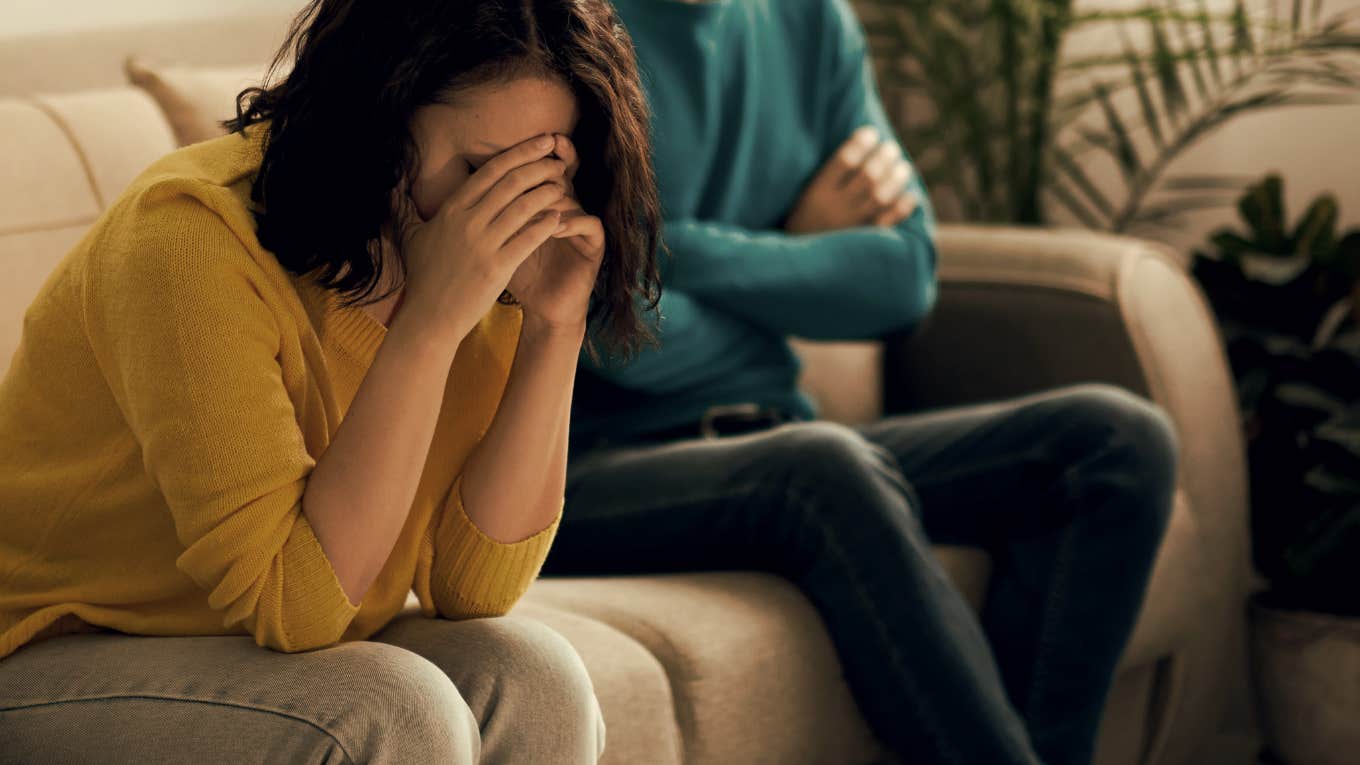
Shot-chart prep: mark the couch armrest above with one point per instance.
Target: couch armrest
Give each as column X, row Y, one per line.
column 1024, row 309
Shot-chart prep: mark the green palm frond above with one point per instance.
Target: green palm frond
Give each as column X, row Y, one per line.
column 1016, row 123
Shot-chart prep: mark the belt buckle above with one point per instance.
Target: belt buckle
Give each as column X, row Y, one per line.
column 711, row 414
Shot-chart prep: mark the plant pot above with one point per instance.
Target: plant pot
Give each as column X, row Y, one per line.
column 1306, row 675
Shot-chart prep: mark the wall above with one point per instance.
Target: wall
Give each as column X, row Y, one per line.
column 27, row 17
column 1315, row 149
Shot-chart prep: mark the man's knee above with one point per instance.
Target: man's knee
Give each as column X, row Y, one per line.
column 1137, row 442
column 1140, row 430
column 828, row 455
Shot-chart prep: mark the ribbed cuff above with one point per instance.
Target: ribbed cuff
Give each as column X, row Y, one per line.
column 475, row 575
column 316, row 611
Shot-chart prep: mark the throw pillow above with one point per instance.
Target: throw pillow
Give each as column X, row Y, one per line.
column 195, row 100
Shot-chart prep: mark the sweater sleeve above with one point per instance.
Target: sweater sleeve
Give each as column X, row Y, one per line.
column 174, row 311
column 473, row 575
column 856, row 283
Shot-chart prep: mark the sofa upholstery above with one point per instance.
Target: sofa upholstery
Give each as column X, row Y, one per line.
column 735, row 667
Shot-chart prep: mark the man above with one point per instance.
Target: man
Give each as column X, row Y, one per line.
column 791, row 210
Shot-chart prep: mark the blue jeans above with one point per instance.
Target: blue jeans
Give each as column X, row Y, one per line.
column 1069, row 489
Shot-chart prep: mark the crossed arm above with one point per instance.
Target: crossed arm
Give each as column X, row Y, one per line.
column 855, row 258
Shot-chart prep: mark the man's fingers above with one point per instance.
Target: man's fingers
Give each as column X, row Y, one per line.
column 851, row 154
column 486, row 176
column 898, row 212
column 893, row 184
column 859, row 189
column 882, row 160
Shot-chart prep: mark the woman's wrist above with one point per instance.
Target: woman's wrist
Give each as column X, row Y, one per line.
column 438, row 336
column 539, row 330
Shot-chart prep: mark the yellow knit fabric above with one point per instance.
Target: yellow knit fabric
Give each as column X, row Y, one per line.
column 173, row 388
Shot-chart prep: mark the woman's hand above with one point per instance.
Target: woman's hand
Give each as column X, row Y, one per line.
column 554, row 283
column 459, row 261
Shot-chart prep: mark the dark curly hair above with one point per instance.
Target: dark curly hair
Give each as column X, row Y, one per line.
column 339, row 140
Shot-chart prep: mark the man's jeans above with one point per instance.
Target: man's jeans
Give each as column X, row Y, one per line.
column 1069, row 489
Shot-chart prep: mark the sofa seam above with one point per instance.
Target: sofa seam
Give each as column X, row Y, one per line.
column 66, row 130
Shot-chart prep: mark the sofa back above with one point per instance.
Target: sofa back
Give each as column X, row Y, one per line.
column 63, row 158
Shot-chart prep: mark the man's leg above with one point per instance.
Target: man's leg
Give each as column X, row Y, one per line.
column 1071, row 490
column 824, row 507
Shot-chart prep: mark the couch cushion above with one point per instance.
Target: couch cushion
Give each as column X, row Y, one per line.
column 634, row 692
column 63, row 159
column 632, row 686
column 46, row 203
column 43, row 181
column 194, row 99
column 752, row 671
column 118, row 132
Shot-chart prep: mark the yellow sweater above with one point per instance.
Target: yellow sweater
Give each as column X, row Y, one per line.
column 173, row 388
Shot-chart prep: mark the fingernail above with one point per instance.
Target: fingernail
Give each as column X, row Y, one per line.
column 544, row 142
column 560, row 228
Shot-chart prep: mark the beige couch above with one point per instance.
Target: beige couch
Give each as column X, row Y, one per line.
column 735, row 667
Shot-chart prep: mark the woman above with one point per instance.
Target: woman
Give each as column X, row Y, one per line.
column 296, row 372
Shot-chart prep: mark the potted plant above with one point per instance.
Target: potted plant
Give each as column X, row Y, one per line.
column 1007, row 121
column 1288, row 300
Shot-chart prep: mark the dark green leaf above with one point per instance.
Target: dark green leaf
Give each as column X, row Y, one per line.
column 1347, row 260
column 1150, row 116
column 1316, row 231
column 1168, row 77
column 1191, row 52
column 1262, row 209
column 1242, row 40
column 1075, row 206
column 1209, row 48
column 1064, row 162
column 1231, row 245
column 1124, row 151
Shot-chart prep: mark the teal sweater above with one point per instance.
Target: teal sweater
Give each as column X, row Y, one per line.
column 749, row 99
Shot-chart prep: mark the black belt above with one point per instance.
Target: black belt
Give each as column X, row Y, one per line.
column 719, row 421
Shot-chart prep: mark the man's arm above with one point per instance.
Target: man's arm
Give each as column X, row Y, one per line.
column 853, row 283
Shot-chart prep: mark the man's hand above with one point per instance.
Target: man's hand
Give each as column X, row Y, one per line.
column 863, row 183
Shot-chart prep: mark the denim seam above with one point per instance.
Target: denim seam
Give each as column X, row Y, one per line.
column 1057, row 591
column 894, row 655
column 209, row 702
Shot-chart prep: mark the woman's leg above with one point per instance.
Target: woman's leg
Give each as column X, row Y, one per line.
column 1071, row 491
column 527, row 684
column 116, row 698
column 824, row 507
